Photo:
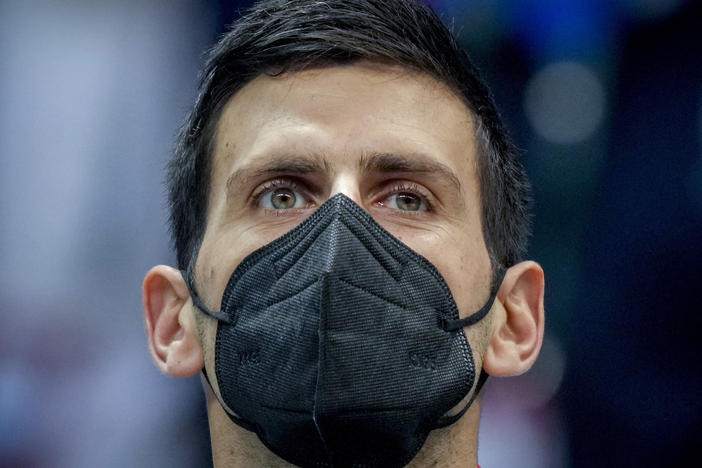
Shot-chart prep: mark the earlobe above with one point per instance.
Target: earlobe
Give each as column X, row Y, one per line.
column 173, row 341
column 518, row 326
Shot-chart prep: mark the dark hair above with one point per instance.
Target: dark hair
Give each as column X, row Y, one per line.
column 276, row 36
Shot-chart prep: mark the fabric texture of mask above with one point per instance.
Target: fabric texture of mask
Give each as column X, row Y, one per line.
column 339, row 345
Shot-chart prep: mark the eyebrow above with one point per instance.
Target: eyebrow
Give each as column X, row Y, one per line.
column 311, row 164
column 414, row 163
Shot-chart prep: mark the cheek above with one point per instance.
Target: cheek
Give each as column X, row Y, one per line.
column 219, row 256
column 464, row 263
column 469, row 279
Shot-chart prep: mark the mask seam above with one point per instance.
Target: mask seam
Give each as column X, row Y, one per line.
column 287, row 298
column 399, row 306
column 321, row 228
column 378, row 239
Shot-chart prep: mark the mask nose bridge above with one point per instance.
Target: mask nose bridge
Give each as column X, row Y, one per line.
column 332, row 245
column 316, row 241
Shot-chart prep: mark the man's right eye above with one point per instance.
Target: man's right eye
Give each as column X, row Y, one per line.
column 276, row 197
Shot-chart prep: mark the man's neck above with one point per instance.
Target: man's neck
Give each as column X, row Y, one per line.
column 453, row 446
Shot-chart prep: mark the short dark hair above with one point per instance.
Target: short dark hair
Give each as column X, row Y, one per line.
column 277, row 36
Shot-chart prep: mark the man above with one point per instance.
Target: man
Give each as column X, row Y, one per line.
column 348, row 215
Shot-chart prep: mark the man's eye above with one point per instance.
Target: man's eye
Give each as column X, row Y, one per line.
column 406, row 201
column 282, row 199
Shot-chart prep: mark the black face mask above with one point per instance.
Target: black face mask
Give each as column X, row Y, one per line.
column 339, row 345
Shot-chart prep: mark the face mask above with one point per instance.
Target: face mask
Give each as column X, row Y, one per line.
column 339, row 345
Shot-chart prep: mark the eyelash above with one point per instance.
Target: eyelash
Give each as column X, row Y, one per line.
column 414, row 189
column 394, row 189
column 274, row 184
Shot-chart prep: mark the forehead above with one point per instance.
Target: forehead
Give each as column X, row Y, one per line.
column 343, row 113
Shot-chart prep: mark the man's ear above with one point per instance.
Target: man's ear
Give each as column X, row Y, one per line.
column 173, row 341
column 518, row 326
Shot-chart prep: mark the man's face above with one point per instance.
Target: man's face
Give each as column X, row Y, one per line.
column 398, row 143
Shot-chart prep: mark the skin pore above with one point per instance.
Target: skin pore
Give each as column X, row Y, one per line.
column 401, row 145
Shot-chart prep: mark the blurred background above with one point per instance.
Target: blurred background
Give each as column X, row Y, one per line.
column 603, row 96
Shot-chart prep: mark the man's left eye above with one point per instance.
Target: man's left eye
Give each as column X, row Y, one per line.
column 283, row 198
column 406, row 201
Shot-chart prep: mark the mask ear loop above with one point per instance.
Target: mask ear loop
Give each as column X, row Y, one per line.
column 457, row 324
column 451, row 325
column 448, row 420
column 222, row 317
column 236, row 419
